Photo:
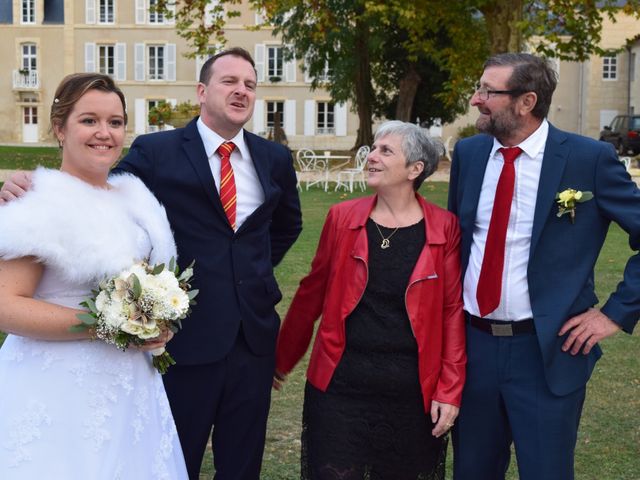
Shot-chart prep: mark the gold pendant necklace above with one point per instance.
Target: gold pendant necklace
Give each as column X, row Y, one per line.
column 385, row 241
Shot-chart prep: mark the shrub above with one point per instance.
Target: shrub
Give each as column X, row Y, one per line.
column 468, row 130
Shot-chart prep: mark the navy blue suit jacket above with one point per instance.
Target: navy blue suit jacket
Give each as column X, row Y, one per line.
column 233, row 271
column 560, row 272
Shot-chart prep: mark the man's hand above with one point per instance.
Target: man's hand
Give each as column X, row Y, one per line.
column 17, row 185
column 443, row 416
column 587, row 329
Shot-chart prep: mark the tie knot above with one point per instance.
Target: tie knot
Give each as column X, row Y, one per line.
column 510, row 153
column 225, row 149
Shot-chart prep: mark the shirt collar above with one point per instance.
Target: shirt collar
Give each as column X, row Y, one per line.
column 212, row 140
column 533, row 145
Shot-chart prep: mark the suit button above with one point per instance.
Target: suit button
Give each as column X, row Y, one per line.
column 239, row 282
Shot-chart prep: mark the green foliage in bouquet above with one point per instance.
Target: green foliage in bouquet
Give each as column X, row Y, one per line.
column 138, row 305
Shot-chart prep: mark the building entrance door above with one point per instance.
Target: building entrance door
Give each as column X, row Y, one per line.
column 30, row 124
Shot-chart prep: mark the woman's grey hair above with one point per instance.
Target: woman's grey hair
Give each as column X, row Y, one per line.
column 417, row 146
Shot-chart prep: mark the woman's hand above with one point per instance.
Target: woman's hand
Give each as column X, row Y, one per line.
column 158, row 342
column 443, row 415
column 278, row 379
column 16, row 186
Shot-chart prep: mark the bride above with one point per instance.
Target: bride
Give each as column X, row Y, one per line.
column 72, row 408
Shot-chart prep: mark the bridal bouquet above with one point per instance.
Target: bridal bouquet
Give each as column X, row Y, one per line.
column 138, row 304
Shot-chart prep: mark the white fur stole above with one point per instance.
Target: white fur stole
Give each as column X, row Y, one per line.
column 83, row 232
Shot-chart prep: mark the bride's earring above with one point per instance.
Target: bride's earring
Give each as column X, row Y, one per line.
column 61, row 142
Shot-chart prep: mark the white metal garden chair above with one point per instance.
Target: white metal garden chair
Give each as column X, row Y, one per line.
column 626, row 161
column 347, row 176
column 311, row 170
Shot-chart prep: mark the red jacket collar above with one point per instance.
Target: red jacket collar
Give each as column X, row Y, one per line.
column 425, row 267
column 362, row 210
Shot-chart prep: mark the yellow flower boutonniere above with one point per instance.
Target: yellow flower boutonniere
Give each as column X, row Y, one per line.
column 567, row 200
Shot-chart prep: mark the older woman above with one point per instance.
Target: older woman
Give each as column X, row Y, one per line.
column 388, row 363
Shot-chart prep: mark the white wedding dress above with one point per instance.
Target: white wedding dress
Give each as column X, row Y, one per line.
column 83, row 409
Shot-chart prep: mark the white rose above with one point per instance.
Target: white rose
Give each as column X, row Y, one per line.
column 102, row 300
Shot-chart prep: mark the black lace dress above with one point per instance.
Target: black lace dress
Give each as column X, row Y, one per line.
column 370, row 424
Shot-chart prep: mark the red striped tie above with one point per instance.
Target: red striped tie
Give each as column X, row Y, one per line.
column 227, row 182
column 490, row 281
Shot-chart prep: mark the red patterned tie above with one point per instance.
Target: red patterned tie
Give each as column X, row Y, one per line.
column 490, row 281
column 227, row 182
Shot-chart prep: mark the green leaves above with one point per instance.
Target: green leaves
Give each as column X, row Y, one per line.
column 87, row 319
column 136, row 288
column 567, row 200
column 192, row 294
column 157, row 269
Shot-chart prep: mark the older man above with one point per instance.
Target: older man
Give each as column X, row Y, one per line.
column 528, row 260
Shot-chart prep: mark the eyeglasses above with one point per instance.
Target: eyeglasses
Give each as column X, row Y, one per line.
column 484, row 93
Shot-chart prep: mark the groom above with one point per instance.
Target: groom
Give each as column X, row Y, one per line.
column 225, row 352
column 529, row 295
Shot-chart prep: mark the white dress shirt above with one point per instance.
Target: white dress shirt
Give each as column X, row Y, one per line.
column 249, row 193
column 514, row 299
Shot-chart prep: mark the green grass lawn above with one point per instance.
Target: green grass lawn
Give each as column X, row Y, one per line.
column 609, row 438
column 28, row 158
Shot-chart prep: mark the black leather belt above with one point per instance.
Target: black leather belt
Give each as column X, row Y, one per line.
column 499, row 328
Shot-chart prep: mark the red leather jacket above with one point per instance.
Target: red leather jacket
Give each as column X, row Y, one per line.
column 337, row 281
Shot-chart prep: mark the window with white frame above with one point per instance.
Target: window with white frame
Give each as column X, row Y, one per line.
column 110, row 59
column 154, row 15
column 105, row 11
column 274, row 107
column 275, row 62
column 106, row 59
column 30, row 115
column 28, row 11
column 259, row 17
column 29, row 57
column 147, row 13
column 610, row 67
column 156, row 62
column 325, row 123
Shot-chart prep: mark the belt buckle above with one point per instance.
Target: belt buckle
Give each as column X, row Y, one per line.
column 501, row 330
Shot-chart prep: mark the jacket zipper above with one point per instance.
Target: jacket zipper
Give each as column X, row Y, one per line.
column 366, row 269
column 406, row 303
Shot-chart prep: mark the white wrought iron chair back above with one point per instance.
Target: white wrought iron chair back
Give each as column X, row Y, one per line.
column 348, row 176
column 310, row 169
column 626, row 161
column 361, row 157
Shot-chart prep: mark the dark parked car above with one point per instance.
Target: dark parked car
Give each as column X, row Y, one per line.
column 624, row 134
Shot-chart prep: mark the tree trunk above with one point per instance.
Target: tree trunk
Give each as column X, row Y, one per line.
column 407, row 93
column 501, row 17
column 363, row 87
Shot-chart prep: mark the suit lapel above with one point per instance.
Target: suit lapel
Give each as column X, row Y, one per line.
column 472, row 186
column 194, row 149
column 260, row 158
column 553, row 165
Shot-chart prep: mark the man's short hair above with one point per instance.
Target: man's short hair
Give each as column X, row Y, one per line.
column 206, row 71
column 530, row 74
